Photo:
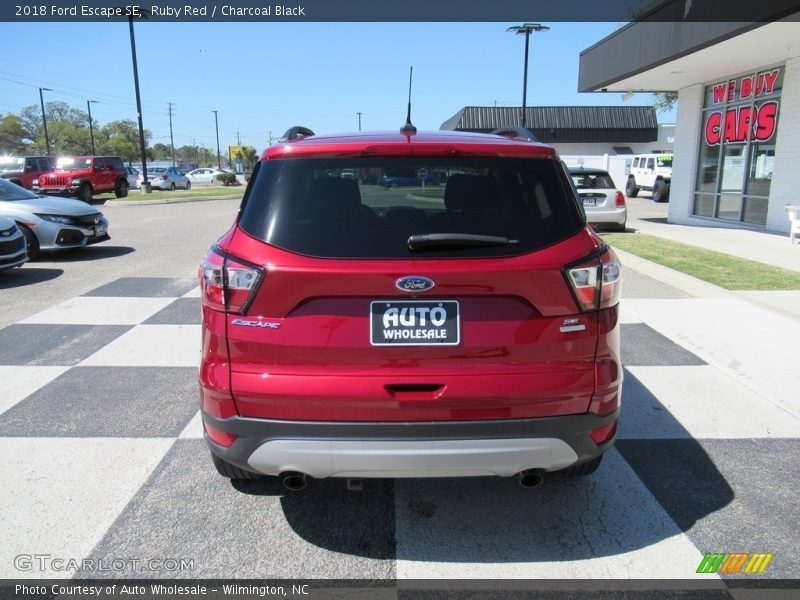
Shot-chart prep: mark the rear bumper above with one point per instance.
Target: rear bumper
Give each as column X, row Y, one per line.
column 614, row 216
column 410, row 449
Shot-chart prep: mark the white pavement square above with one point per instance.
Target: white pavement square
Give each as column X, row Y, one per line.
column 93, row 310
column 605, row 526
column 151, row 346
column 60, row 495
column 193, row 293
column 705, row 403
column 756, row 347
column 193, row 429
column 17, row 383
column 626, row 317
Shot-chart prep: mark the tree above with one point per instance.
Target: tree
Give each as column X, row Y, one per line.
column 12, row 136
column 201, row 156
column 121, row 138
column 665, row 101
column 30, row 119
column 161, row 151
column 248, row 156
column 67, row 128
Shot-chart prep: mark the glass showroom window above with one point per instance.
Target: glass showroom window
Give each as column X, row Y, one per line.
column 737, row 148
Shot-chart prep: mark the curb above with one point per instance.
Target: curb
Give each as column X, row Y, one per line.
column 168, row 201
column 686, row 283
column 696, row 288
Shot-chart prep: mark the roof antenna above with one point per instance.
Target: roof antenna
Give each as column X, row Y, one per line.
column 409, row 127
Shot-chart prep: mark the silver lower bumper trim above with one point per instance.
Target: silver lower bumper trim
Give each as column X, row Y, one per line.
column 411, row 458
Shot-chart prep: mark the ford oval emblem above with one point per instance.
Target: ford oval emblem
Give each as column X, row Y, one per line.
column 414, row 283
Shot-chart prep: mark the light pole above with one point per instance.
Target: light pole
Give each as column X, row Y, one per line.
column 91, row 129
column 359, row 120
column 44, row 118
column 145, row 183
column 216, row 125
column 526, row 29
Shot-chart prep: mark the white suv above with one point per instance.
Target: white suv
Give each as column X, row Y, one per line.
column 652, row 173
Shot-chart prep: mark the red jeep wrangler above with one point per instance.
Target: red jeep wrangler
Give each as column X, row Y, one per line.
column 22, row 170
column 84, row 176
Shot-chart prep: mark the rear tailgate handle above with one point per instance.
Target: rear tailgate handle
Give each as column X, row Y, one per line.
column 415, row 391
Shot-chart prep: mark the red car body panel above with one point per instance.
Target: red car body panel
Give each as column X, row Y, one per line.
column 513, row 361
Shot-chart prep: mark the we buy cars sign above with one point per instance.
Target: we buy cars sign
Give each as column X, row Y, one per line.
column 757, row 121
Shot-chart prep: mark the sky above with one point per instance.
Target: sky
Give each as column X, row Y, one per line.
column 265, row 77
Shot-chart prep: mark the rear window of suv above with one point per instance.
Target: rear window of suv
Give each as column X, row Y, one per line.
column 362, row 208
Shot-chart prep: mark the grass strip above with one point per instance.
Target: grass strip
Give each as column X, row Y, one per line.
column 724, row 270
column 195, row 192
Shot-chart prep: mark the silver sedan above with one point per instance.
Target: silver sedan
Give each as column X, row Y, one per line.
column 165, row 178
column 208, row 175
column 602, row 202
column 50, row 223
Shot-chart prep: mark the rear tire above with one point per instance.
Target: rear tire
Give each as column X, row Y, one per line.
column 230, row 471
column 172, row 187
column 122, row 189
column 660, row 191
column 85, row 193
column 631, row 189
column 581, row 470
column 188, row 185
column 33, row 242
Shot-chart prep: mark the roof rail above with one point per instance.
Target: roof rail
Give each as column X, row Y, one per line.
column 295, row 132
column 516, row 132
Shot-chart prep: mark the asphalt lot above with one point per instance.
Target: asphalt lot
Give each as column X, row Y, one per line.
column 163, row 240
column 101, row 438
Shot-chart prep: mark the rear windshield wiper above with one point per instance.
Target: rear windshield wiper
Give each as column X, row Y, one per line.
column 450, row 240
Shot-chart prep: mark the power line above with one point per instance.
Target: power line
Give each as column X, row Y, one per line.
column 85, row 91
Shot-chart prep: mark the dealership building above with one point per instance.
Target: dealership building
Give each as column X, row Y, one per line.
column 737, row 135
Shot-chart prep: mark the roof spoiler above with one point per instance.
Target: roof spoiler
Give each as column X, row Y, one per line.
column 296, row 132
column 520, row 133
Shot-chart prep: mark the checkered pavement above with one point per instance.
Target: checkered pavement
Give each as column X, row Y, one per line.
column 104, row 458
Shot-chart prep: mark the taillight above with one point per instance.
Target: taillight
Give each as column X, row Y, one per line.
column 595, row 281
column 164, row 177
column 619, row 200
column 228, row 283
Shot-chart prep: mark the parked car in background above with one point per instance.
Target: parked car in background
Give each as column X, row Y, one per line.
column 22, row 170
column 50, row 223
column 84, row 177
column 205, row 175
column 352, row 333
column 603, row 203
column 133, row 174
column 13, row 247
column 165, row 178
column 406, row 178
column 652, row 173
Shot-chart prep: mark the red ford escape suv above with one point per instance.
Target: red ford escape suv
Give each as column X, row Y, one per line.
column 465, row 326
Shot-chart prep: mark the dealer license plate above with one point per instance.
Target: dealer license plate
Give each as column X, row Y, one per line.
column 414, row 323
column 590, row 201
